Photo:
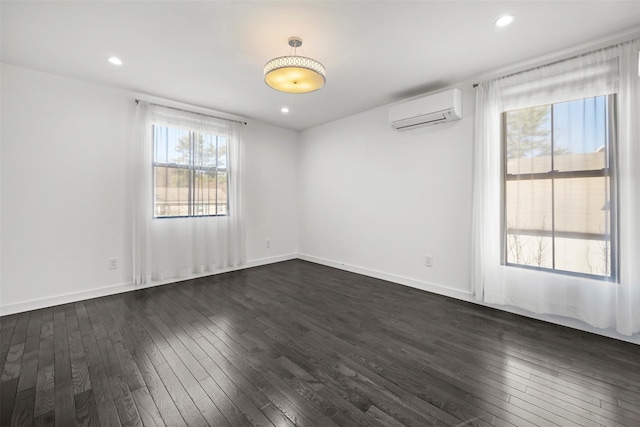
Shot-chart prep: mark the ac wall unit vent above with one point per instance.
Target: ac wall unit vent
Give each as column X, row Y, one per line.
column 428, row 110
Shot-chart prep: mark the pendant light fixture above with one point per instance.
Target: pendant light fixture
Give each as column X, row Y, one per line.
column 294, row 74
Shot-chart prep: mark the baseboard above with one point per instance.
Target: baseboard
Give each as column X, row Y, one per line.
column 401, row 280
column 468, row 297
column 425, row 286
column 39, row 303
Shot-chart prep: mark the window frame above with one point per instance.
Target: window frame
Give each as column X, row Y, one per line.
column 609, row 171
column 192, row 170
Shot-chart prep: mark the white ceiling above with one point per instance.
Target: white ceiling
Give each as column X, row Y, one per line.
column 211, row 53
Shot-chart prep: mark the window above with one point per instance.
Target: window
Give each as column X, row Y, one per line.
column 559, row 187
column 190, row 173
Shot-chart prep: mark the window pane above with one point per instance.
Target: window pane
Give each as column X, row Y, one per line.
column 582, row 225
column 204, row 152
column 205, row 193
column 529, row 222
column 529, row 205
column 529, row 249
column 582, row 205
column 171, row 145
column 171, row 196
column 564, row 222
column 528, row 140
column 222, row 152
column 222, row 191
column 580, row 134
column 583, row 256
column 190, row 173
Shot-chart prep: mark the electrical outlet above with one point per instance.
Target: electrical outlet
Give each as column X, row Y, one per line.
column 428, row 261
column 113, row 263
column 267, row 243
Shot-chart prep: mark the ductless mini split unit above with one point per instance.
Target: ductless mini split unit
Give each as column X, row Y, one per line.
column 428, row 110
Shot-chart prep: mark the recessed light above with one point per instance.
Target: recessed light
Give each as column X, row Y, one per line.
column 114, row 60
column 503, row 21
column 284, row 109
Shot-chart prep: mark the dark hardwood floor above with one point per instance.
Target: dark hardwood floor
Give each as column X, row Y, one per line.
column 296, row 343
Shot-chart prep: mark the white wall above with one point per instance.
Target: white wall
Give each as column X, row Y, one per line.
column 271, row 191
column 64, row 190
column 378, row 201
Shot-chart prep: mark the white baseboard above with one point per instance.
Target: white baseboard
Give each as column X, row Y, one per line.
column 468, row 297
column 425, row 286
column 38, row 303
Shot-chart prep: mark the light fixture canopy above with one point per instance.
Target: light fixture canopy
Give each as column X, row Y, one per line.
column 293, row 73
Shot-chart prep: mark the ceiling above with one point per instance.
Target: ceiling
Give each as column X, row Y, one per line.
column 211, row 53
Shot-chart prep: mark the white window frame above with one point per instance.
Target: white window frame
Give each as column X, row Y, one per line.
column 608, row 171
column 192, row 169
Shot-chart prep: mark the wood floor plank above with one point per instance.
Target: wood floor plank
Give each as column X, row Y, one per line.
column 144, row 333
column 435, row 411
column 232, row 413
column 166, row 407
column 20, row 329
column 5, row 344
column 89, row 343
column 276, row 395
column 34, row 323
column 185, row 375
column 245, row 405
column 8, row 322
column 62, row 361
column 183, row 401
column 65, row 405
column 123, row 399
column 13, row 362
column 182, row 356
column 454, row 421
column 32, row 344
column 250, row 400
column 298, row 392
column 86, row 412
column 71, row 318
column 149, row 413
column 76, row 348
column 382, row 417
column 588, row 416
column 104, row 400
column 45, row 391
column 8, row 391
column 23, row 409
column 45, row 420
column 129, row 370
column 80, row 375
column 46, row 323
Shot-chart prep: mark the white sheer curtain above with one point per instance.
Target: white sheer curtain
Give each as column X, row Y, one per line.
column 165, row 248
column 600, row 303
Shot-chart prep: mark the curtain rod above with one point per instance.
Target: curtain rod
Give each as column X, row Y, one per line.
column 194, row 112
column 536, row 67
column 557, row 61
